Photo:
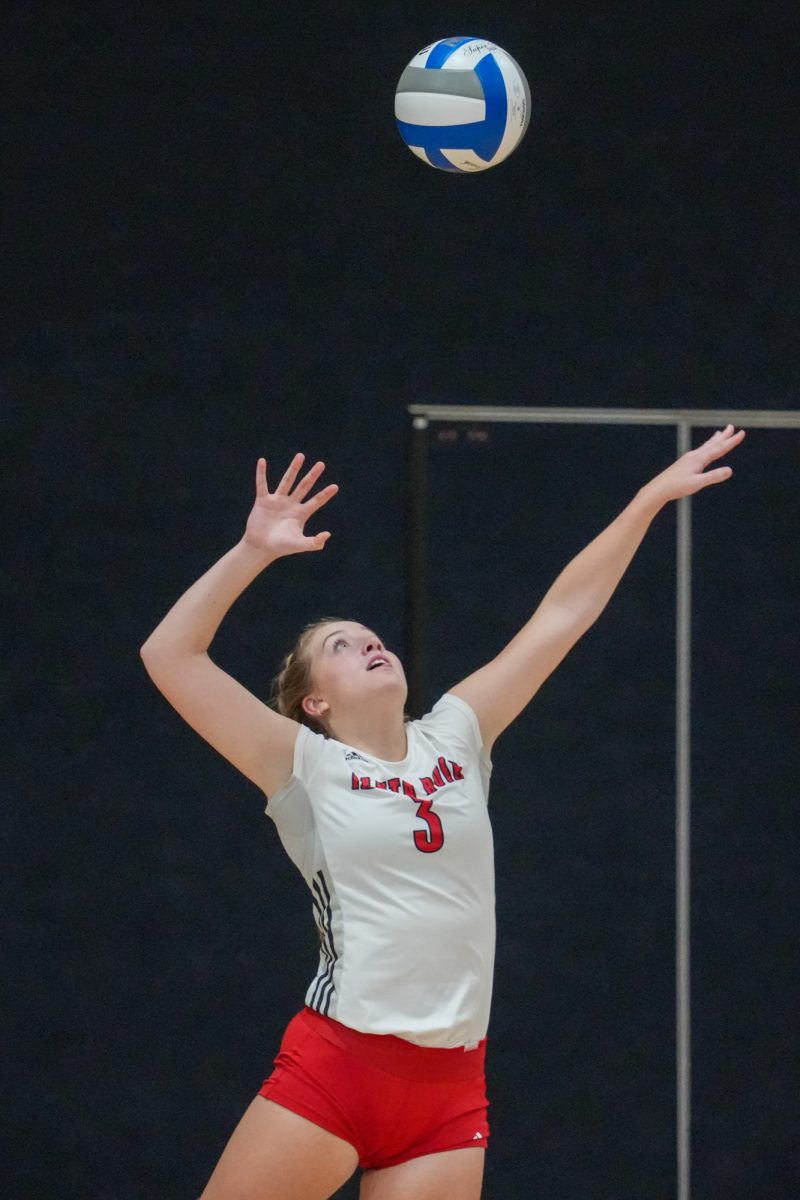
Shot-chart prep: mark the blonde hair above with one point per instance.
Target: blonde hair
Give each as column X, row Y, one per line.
column 293, row 682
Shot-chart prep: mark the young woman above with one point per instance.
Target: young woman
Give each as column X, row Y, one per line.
column 387, row 821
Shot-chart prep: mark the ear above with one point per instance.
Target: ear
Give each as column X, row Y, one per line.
column 313, row 706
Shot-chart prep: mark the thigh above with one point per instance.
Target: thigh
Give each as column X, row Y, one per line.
column 274, row 1154
column 454, row 1174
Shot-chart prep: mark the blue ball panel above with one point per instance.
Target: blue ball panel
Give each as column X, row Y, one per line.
column 437, row 159
column 442, row 50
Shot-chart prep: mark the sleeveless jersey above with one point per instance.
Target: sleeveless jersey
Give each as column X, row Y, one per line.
column 399, row 860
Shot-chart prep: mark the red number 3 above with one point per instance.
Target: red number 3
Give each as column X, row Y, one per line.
column 431, row 839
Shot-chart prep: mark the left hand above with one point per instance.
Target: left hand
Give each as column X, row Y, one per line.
column 689, row 475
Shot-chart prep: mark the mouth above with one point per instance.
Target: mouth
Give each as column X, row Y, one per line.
column 377, row 662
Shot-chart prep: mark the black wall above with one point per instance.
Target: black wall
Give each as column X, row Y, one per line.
column 216, row 246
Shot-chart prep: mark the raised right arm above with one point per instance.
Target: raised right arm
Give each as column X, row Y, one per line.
column 257, row 740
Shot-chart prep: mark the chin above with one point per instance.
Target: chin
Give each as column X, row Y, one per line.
column 392, row 683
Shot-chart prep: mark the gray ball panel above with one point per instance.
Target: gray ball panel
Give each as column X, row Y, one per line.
column 445, row 83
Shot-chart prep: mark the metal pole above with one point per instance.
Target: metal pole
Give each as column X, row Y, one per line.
column 417, row 590
column 683, row 650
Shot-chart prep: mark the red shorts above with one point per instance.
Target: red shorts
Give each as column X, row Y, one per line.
column 391, row 1099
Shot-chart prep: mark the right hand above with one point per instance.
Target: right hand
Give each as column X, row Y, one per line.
column 688, row 474
column 277, row 519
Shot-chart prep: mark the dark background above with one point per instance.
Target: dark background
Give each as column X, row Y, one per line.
column 216, row 246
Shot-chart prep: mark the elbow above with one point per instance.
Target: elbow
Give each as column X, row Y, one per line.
column 162, row 658
column 147, row 654
column 152, row 653
column 156, row 663
column 148, row 646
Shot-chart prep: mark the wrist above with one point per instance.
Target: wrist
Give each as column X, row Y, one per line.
column 253, row 555
column 649, row 500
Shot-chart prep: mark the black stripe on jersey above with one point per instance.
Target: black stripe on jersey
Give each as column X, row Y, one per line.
column 327, row 989
column 323, row 987
column 323, row 990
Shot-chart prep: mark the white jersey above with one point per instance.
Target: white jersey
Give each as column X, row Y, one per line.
column 399, row 860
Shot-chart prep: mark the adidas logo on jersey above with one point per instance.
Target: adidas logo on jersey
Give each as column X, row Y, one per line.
column 353, row 754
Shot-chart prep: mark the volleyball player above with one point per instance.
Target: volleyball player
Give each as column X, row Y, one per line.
column 387, row 821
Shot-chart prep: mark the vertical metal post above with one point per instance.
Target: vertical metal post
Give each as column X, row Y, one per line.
column 417, row 589
column 683, row 650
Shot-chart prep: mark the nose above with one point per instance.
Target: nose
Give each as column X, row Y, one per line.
column 371, row 646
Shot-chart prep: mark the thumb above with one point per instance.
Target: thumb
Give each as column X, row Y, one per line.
column 320, row 539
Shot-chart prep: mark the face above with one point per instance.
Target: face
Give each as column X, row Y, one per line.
column 351, row 665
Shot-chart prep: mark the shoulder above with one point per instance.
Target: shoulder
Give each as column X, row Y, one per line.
column 311, row 749
column 309, row 752
column 453, row 720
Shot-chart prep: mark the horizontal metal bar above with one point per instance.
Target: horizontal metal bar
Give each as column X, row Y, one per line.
column 476, row 413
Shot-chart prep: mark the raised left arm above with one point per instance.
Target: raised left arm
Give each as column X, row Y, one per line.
column 500, row 690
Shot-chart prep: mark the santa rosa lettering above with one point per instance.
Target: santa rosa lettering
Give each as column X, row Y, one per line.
column 445, row 771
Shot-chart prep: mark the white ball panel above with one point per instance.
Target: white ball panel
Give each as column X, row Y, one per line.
column 466, row 160
column 468, row 56
column 427, row 108
column 421, row 57
column 517, row 115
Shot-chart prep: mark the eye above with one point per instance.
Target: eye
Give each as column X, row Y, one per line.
column 337, row 642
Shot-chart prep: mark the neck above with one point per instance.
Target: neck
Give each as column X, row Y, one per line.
column 377, row 734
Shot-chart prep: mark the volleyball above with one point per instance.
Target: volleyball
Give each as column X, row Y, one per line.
column 462, row 104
